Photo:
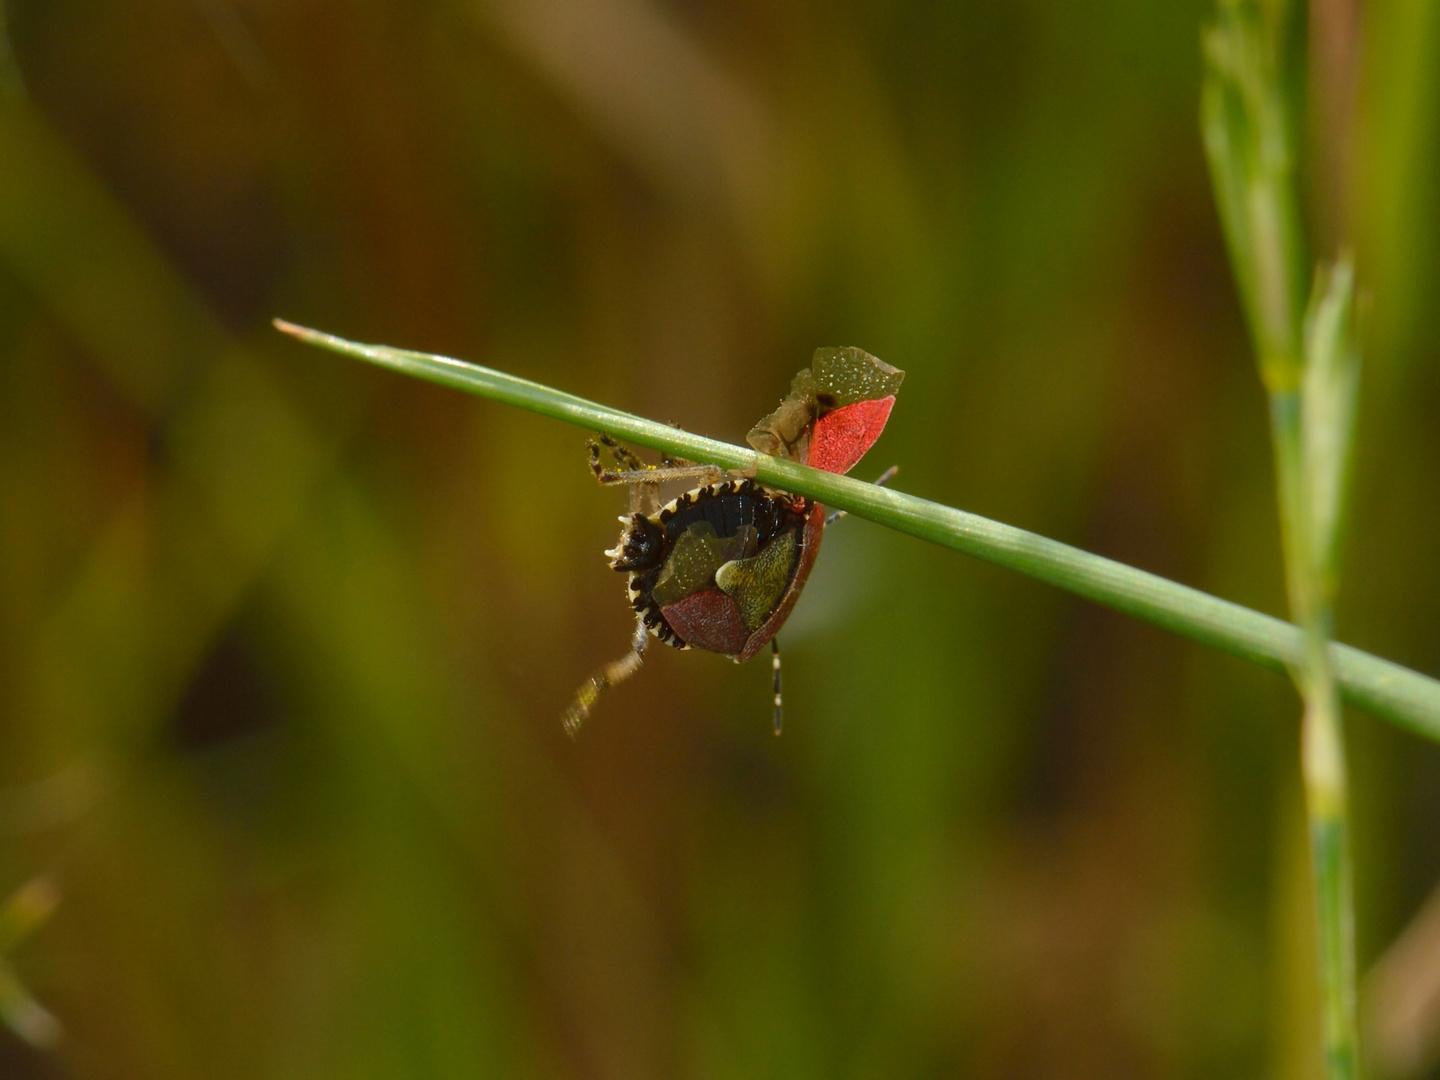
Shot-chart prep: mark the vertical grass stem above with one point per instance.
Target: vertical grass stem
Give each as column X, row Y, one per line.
column 1309, row 368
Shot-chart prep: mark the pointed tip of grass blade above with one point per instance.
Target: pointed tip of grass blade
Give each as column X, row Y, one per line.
column 316, row 337
column 383, row 355
column 335, row 343
column 304, row 333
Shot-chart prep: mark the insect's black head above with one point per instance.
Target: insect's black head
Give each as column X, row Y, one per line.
column 641, row 546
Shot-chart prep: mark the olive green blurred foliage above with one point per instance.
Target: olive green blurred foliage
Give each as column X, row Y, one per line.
column 284, row 642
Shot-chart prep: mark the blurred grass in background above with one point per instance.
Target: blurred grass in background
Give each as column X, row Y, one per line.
column 284, row 642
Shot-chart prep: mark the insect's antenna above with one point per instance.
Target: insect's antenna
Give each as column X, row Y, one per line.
column 775, row 667
column 880, row 481
column 617, row 671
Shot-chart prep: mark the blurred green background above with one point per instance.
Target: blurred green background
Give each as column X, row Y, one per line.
column 284, row 642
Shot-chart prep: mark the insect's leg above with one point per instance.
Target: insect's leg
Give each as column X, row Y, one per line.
column 775, row 668
column 644, row 484
column 626, row 464
column 624, row 456
column 596, row 466
column 644, row 490
column 714, row 472
column 669, row 468
column 617, row 671
column 632, row 470
column 880, row 481
column 687, row 471
column 656, row 475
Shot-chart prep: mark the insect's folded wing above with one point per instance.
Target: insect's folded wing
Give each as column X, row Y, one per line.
column 854, row 393
column 841, row 438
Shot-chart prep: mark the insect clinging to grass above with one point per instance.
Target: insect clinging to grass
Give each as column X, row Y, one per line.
column 720, row 567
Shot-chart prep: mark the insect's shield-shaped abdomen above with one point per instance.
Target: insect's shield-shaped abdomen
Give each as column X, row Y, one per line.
column 641, row 546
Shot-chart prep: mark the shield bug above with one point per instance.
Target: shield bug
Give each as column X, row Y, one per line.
column 720, row 567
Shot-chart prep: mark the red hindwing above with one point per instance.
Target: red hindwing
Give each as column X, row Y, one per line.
column 840, row 438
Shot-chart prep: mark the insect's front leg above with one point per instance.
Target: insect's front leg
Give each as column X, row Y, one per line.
column 645, row 480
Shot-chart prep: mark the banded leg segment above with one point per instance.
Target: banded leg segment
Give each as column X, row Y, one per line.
column 644, row 480
column 775, row 668
column 631, row 470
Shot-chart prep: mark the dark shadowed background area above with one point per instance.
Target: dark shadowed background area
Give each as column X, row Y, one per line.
column 285, row 641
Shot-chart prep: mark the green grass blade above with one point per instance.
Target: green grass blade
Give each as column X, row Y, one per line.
column 1380, row 687
column 1310, row 369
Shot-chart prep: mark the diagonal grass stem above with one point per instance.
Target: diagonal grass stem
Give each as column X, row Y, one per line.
column 1378, row 686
